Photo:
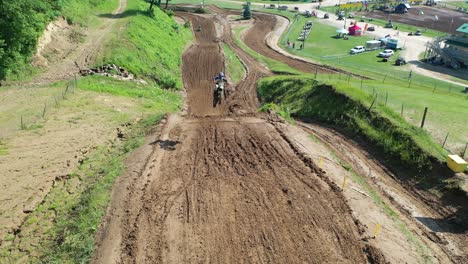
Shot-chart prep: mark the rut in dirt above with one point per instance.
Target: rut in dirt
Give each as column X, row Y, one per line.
column 230, row 189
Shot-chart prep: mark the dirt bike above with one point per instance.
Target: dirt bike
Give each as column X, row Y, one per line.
column 219, row 93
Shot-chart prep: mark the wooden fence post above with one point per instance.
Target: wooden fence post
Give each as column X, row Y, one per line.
column 424, row 117
column 375, row 98
column 464, row 151
column 445, row 140
column 44, row 110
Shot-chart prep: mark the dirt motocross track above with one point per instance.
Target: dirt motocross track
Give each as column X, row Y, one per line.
column 224, row 185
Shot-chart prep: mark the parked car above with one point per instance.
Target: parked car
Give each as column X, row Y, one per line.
column 400, row 61
column 371, row 29
column 418, row 32
column 386, row 53
column 357, row 49
column 326, row 15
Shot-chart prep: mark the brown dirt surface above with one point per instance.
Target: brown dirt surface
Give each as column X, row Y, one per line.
column 427, row 20
column 220, row 186
column 256, row 40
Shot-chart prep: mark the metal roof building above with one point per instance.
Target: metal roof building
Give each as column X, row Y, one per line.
column 451, row 50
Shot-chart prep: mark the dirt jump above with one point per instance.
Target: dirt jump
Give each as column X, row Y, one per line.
column 223, row 185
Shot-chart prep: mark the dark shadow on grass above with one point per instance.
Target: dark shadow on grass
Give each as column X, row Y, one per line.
column 127, row 13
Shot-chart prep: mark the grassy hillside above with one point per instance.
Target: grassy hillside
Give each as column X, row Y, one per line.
column 150, row 46
column 85, row 12
column 22, row 22
column 350, row 108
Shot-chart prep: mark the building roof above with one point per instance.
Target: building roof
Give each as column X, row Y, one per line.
column 456, row 43
column 463, row 28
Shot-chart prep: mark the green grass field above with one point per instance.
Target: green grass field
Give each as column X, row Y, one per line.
column 462, row 4
column 78, row 11
column 235, row 68
column 385, row 128
column 446, row 102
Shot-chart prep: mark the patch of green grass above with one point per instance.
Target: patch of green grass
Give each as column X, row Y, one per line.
column 273, row 65
column 279, row 109
column 314, row 138
column 78, row 11
column 461, row 4
column 3, row 148
column 157, row 98
column 348, row 107
column 235, row 68
column 150, row 47
column 30, row 127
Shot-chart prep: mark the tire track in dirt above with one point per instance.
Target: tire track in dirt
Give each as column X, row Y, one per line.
column 224, row 186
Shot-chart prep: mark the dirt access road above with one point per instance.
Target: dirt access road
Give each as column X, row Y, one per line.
column 224, row 185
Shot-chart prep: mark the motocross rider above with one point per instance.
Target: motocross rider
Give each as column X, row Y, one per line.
column 220, row 78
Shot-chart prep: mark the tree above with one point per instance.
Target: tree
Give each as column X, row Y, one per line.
column 154, row 2
column 167, row 2
column 247, row 13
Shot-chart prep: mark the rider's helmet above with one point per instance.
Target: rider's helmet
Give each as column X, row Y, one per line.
column 221, row 74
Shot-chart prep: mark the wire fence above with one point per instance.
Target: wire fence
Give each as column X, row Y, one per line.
column 449, row 138
column 37, row 115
